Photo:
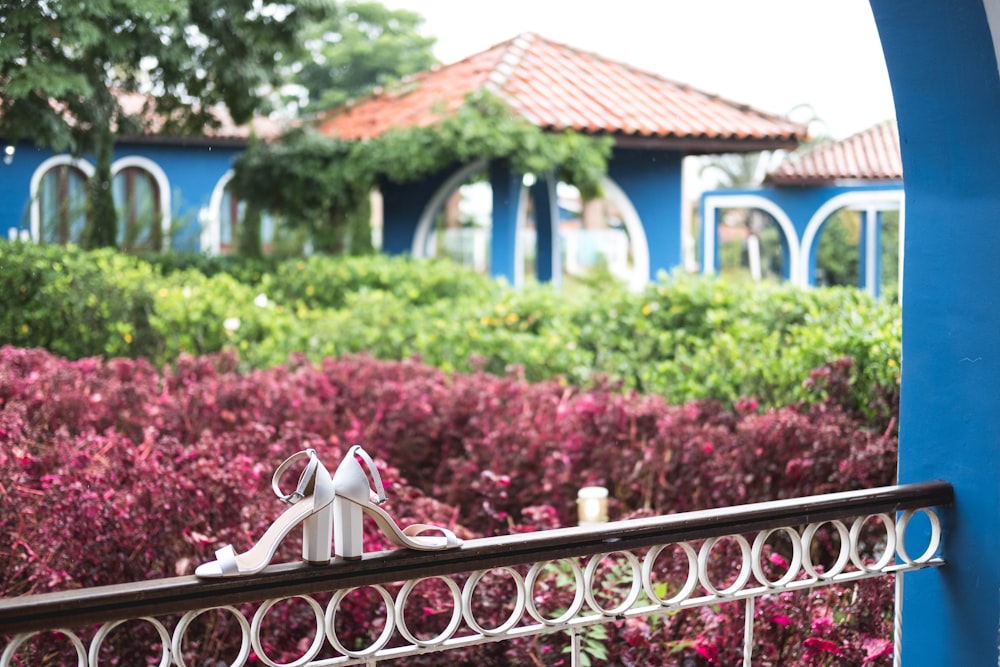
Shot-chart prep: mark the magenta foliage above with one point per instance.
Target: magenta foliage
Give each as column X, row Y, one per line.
column 111, row 471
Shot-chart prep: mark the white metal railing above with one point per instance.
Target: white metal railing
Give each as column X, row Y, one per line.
column 638, row 552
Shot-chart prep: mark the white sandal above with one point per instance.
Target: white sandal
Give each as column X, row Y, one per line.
column 311, row 504
column 353, row 498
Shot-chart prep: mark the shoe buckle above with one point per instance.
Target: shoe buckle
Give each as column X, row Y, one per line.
column 292, row 498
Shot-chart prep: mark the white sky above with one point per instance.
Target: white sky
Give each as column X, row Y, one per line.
column 771, row 54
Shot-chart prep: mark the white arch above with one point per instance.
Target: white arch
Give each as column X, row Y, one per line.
column 35, row 210
column 713, row 203
column 210, row 218
column 875, row 199
column 639, row 276
column 162, row 184
column 425, row 225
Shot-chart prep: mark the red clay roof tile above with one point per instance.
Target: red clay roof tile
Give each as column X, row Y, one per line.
column 871, row 155
column 558, row 87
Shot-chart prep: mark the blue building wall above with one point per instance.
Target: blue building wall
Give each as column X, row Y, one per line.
column 652, row 182
column 942, row 64
column 800, row 213
column 192, row 173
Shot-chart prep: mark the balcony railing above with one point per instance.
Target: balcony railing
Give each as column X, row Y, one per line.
column 83, row 619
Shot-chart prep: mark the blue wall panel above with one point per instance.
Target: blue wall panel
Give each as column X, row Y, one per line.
column 943, row 70
column 652, row 182
column 192, row 173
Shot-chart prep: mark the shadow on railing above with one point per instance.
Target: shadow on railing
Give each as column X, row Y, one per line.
column 640, row 551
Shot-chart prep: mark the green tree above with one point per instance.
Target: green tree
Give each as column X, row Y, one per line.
column 322, row 184
column 359, row 47
column 63, row 65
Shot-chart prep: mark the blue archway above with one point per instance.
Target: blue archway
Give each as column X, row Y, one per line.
column 942, row 64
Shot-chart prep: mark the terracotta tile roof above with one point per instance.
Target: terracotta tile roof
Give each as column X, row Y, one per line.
column 558, row 87
column 871, row 155
column 134, row 104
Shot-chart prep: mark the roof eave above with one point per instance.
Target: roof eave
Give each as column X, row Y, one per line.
column 707, row 145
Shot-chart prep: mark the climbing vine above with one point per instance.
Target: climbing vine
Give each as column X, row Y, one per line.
column 318, row 182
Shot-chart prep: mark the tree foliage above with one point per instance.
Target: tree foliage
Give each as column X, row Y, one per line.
column 359, row 47
column 63, row 65
column 319, row 182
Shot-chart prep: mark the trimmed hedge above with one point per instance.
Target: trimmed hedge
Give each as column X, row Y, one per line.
column 682, row 338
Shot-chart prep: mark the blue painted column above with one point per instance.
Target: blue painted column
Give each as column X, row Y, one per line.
column 870, row 251
column 652, row 181
column 943, row 70
column 506, row 186
column 548, row 267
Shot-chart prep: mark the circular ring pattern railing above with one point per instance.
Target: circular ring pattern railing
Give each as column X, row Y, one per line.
column 314, row 648
column 855, row 557
column 176, row 646
column 380, row 641
column 105, row 630
column 456, row 613
column 515, row 615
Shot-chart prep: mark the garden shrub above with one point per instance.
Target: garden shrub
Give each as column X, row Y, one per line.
column 681, row 338
column 75, row 303
column 325, row 282
column 114, row 471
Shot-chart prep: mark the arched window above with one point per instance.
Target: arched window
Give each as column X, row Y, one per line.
column 137, row 201
column 62, row 204
column 232, row 214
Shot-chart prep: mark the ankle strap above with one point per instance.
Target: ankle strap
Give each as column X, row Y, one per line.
column 306, row 479
column 379, row 489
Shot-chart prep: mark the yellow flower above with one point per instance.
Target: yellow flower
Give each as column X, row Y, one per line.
column 128, row 338
column 25, row 328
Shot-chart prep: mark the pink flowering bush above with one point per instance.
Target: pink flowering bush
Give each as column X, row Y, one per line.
column 115, row 471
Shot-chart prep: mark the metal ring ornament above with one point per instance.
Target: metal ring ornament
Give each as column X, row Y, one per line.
column 745, row 569
column 105, row 630
column 456, row 613
column 17, row 641
column 515, row 616
column 186, row 619
column 842, row 558
column 890, row 542
column 380, row 641
column 574, row 608
column 258, row 620
column 932, row 546
column 633, row 593
column 757, row 551
column 689, row 584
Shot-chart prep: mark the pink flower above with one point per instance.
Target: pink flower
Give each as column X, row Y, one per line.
column 823, row 645
column 781, row 619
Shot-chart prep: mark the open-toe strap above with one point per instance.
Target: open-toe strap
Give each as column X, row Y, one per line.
column 224, row 565
column 445, row 539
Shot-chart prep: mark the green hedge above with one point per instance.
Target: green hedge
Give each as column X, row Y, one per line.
column 681, row 337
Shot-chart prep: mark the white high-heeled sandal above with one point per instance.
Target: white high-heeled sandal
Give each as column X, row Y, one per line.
column 353, row 498
column 311, row 504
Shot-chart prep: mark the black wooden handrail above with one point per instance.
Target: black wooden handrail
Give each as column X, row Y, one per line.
column 180, row 594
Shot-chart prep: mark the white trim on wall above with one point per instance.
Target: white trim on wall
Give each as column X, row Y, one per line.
column 35, row 213
column 713, row 203
column 882, row 200
column 210, row 217
column 162, row 183
column 639, row 275
column 425, row 224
